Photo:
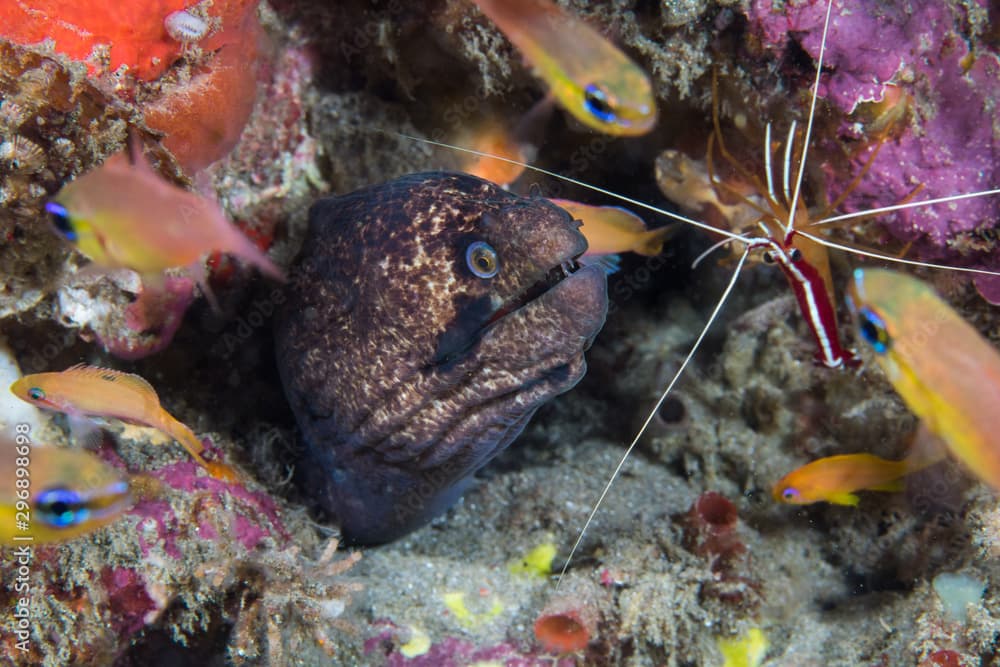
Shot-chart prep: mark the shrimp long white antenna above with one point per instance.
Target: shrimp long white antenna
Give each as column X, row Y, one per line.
column 905, row 205
column 809, row 125
column 767, row 161
column 715, row 246
column 568, row 179
column 889, row 258
column 788, row 168
column 656, row 407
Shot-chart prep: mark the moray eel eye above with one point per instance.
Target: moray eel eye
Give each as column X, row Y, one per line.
column 482, row 259
column 874, row 331
column 60, row 218
column 60, row 507
column 36, row 394
column 598, row 103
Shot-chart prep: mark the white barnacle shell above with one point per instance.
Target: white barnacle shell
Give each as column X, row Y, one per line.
column 185, row 27
column 22, row 155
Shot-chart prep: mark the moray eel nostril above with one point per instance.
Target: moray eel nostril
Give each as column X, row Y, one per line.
column 426, row 320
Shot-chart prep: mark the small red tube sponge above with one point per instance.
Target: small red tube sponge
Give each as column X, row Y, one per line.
column 568, row 622
column 710, row 527
column 946, row 658
column 710, row 531
column 133, row 30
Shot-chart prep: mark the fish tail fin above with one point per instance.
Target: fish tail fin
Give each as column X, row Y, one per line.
column 246, row 250
column 610, row 264
column 926, row 449
column 184, row 435
column 651, row 242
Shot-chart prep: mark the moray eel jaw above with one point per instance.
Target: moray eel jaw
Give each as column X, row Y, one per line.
column 406, row 370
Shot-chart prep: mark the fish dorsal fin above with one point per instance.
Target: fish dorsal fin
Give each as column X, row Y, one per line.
column 121, row 378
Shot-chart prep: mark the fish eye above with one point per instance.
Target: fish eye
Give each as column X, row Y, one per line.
column 599, row 103
column 36, row 394
column 482, row 259
column 790, row 493
column 795, row 254
column 768, row 257
column 60, row 218
column 60, row 507
column 873, row 330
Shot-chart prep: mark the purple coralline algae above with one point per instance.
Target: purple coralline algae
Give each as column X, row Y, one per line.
column 931, row 51
column 455, row 652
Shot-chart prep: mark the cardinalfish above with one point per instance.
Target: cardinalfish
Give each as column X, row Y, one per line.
column 610, row 230
column 123, row 214
column 834, row 479
column 946, row 373
column 83, row 392
column 72, row 492
column 590, row 77
column 492, row 138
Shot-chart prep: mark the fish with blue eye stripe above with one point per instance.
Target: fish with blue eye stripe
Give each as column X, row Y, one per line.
column 51, row 494
column 944, row 370
column 588, row 75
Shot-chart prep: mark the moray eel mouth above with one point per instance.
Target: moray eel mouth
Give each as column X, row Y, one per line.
column 553, row 277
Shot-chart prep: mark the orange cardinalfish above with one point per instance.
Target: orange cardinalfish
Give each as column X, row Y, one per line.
column 589, row 76
column 612, row 229
column 65, row 493
column 89, row 391
column 123, row 214
column 834, row 479
column 947, row 374
column 499, row 151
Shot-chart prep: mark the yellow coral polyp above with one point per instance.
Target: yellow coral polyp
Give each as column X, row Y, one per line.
column 455, row 602
column 537, row 562
column 747, row 650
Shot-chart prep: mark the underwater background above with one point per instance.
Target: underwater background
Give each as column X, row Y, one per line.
column 690, row 559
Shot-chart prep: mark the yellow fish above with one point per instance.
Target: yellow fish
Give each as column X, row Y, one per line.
column 125, row 215
column 50, row 494
column 947, row 374
column 89, row 391
column 834, row 478
column 612, row 229
column 588, row 75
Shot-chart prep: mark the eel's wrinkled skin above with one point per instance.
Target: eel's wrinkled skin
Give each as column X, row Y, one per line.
column 405, row 370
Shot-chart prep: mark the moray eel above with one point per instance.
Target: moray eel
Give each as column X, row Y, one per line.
column 427, row 319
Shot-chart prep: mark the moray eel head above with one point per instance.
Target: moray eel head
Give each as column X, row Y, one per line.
column 426, row 320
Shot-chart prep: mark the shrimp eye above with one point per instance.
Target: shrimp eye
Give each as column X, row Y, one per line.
column 598, row 103
column 768, row 257
column 36, row 394
column 874, row 331
column 60, row 218
column 60, row 507
column 482, row 259
column 795, row 254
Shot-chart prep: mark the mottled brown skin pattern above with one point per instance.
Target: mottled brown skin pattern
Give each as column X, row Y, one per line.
column 402, row 369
